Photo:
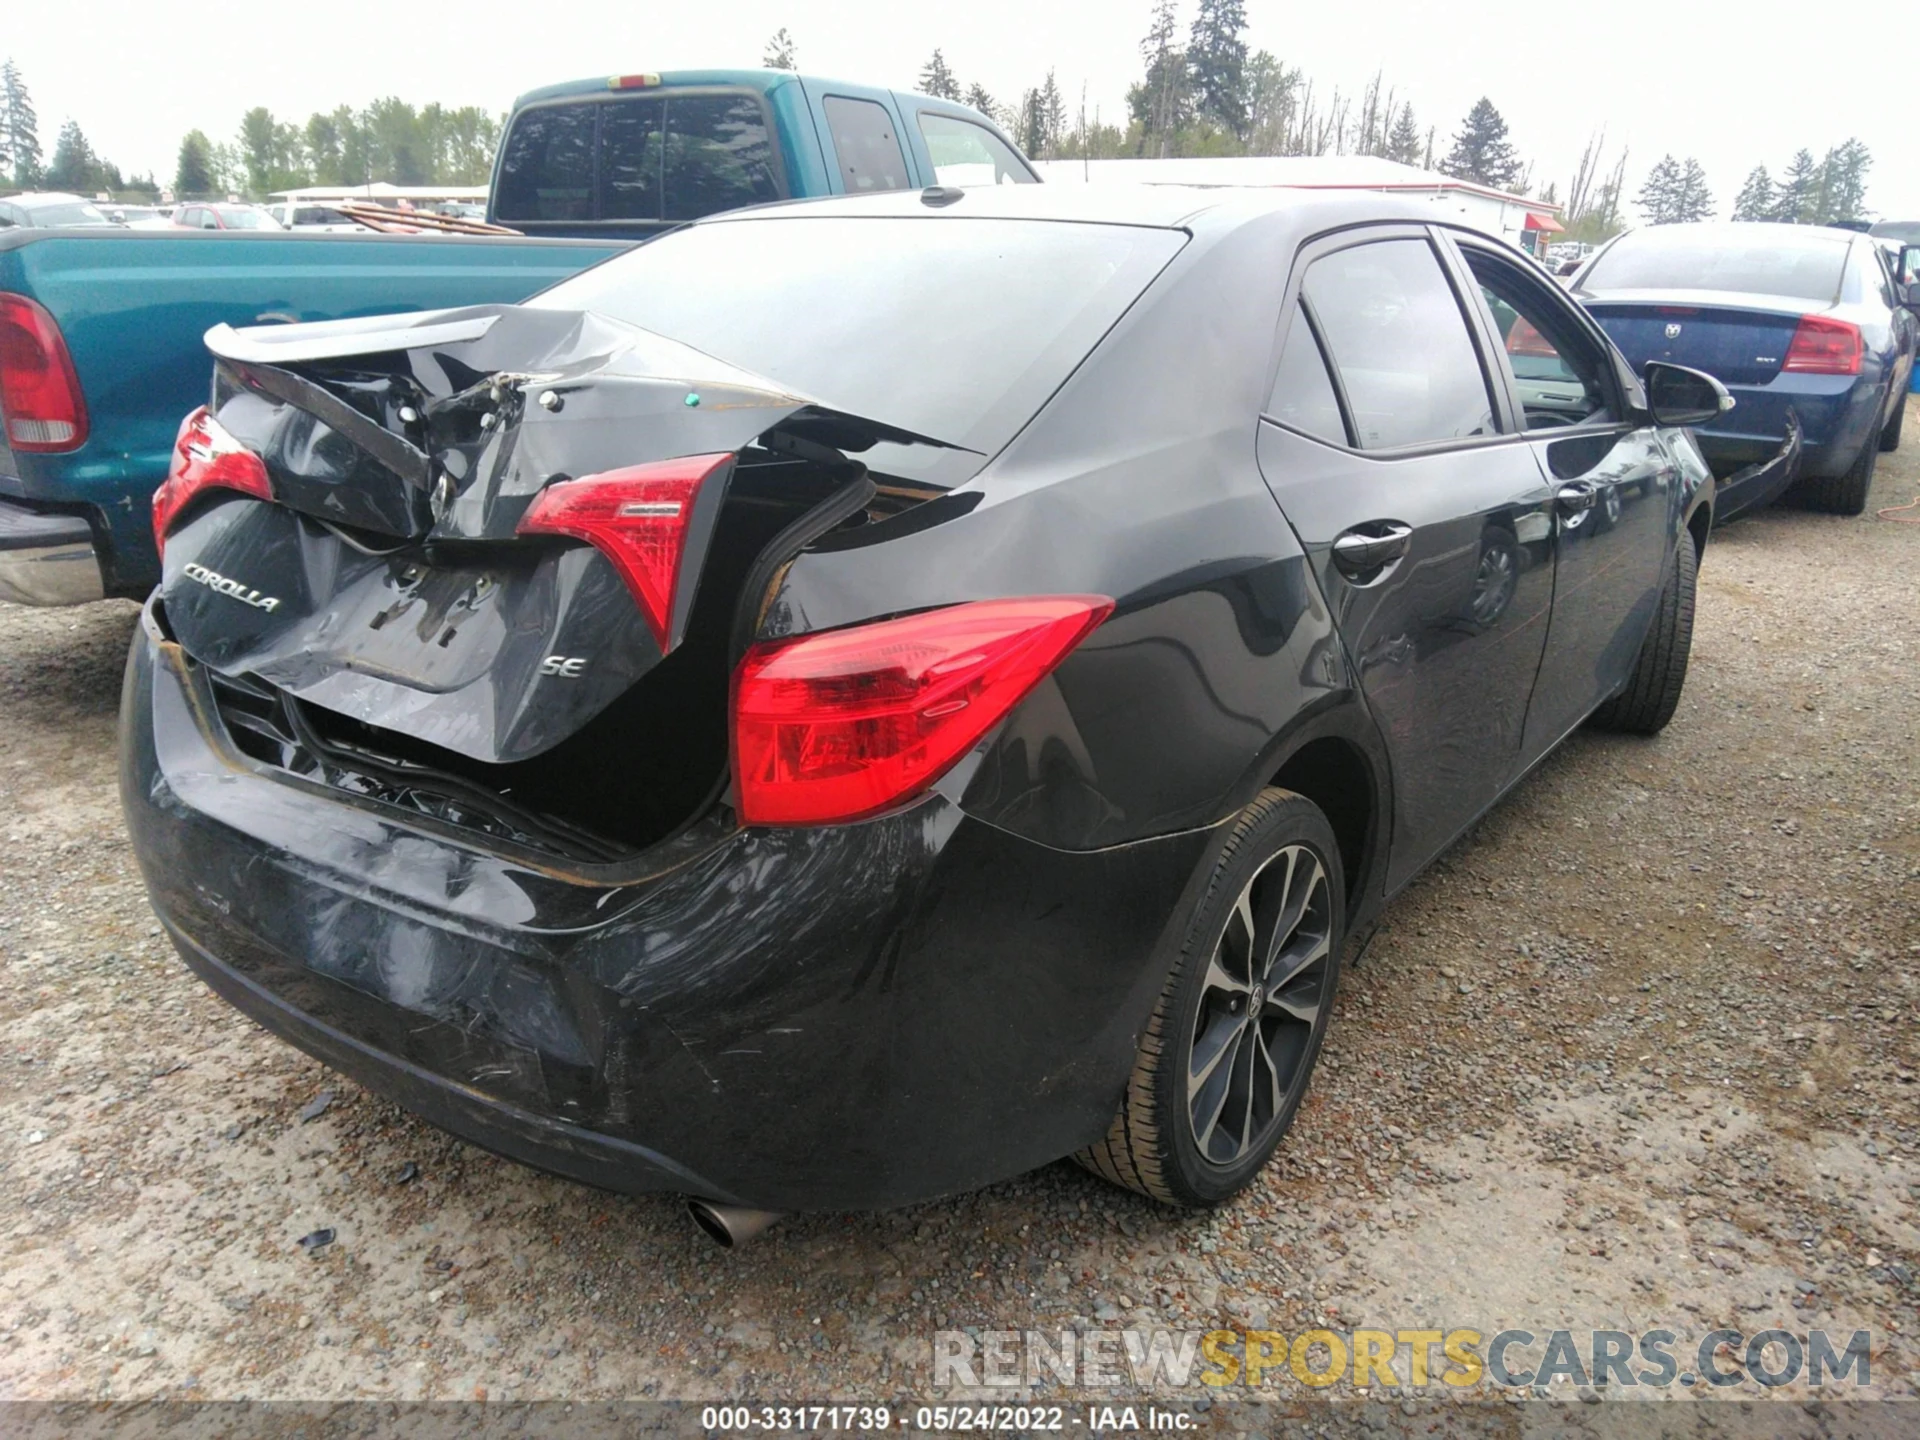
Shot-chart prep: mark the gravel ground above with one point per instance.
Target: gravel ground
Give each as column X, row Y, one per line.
column 1640, row 1051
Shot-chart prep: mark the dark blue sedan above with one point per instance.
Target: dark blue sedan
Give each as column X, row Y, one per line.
column 1802, row 323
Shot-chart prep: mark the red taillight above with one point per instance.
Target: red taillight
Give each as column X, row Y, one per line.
column 637, row 517
column 1824, row 347
column 1523, row 339
column 841, row 724
column 205, row 457
column 39, row 393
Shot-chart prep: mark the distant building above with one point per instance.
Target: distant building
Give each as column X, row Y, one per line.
column 1526, row 223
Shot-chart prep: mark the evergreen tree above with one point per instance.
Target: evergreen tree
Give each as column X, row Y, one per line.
column 1162, row 102
column 1795, row 200
column 19, row 128
column 937, row 80
column 1481, row 151
column 193, row 172
column 1217, row 63
column 1031, row 131
column 1755, row 200
column 1273, row 91
column 978, row 98
column 1054, row 113
column 1403, row 141
column 74, row 166
column 1659, row 196
column 1693, row 201
column 780, row 54
column 1843, row 189
column 1676, row 192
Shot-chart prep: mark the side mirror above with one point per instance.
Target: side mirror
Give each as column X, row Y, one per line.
column 1907, row 270
column 1679, row 396
column 1910, row 295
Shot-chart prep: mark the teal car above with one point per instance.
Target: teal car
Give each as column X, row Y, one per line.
column 101, row 331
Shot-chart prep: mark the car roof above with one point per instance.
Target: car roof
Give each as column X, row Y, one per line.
column 765, row 81
column 1102, row 203
column 46, row 199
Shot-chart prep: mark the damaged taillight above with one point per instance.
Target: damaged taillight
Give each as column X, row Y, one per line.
column 844, row 723
column 1824, row 347
column 205, row 457
column 637, row 517
column 40, row 395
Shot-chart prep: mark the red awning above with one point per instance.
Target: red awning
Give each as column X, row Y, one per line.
column 1547, row 223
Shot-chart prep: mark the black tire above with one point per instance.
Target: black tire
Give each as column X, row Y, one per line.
column 1660, row 672
column 1890, row 437
column 1843, row 494
column 1155, row 1144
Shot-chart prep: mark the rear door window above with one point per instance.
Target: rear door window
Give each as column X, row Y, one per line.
column 967, row 154
column 546, row 170
column 718, row 155
column 1398, row 338
column 867, row 147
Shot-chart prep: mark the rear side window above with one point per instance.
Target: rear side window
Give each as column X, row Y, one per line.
column 1396, row 334
column 1303, row 396
column 967, row 154
column 546, row 170
column 864, row 139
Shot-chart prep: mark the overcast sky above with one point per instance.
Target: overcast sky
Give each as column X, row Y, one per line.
column 1710, row 78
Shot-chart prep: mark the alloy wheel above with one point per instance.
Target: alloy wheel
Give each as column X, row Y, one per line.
column 1266, row 988
column 1493, row 583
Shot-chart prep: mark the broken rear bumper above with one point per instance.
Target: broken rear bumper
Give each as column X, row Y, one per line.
column 1762, row 482
column 844, row 1017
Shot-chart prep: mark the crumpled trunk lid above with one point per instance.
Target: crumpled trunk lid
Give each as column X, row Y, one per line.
column 386, row 582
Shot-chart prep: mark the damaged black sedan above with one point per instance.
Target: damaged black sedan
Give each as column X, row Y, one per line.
column 852, row 701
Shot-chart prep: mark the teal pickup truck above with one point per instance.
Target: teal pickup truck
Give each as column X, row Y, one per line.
column 101, row 349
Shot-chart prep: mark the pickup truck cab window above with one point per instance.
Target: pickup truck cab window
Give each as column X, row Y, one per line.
column 967, row 154
column 868, row 149
column 1396, row 335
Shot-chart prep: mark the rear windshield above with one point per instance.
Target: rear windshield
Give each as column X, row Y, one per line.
column 1760, row 266
column 955, row 329
column 77, row 214
column 655, row 158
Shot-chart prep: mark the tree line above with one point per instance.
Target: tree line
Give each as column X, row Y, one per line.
column 1204, row 92
column 1201, row 92
column 387, row 140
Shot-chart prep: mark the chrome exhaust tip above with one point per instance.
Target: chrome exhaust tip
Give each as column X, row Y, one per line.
column 730, row 1226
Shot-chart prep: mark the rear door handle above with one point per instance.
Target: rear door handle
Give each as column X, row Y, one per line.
column 1577, row 498
column 1362, row 552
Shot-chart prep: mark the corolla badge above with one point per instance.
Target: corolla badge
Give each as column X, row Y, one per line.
column 1673, row 332
column 246, row 595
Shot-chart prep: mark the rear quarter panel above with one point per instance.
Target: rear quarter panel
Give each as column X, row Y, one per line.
column 133, row 306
